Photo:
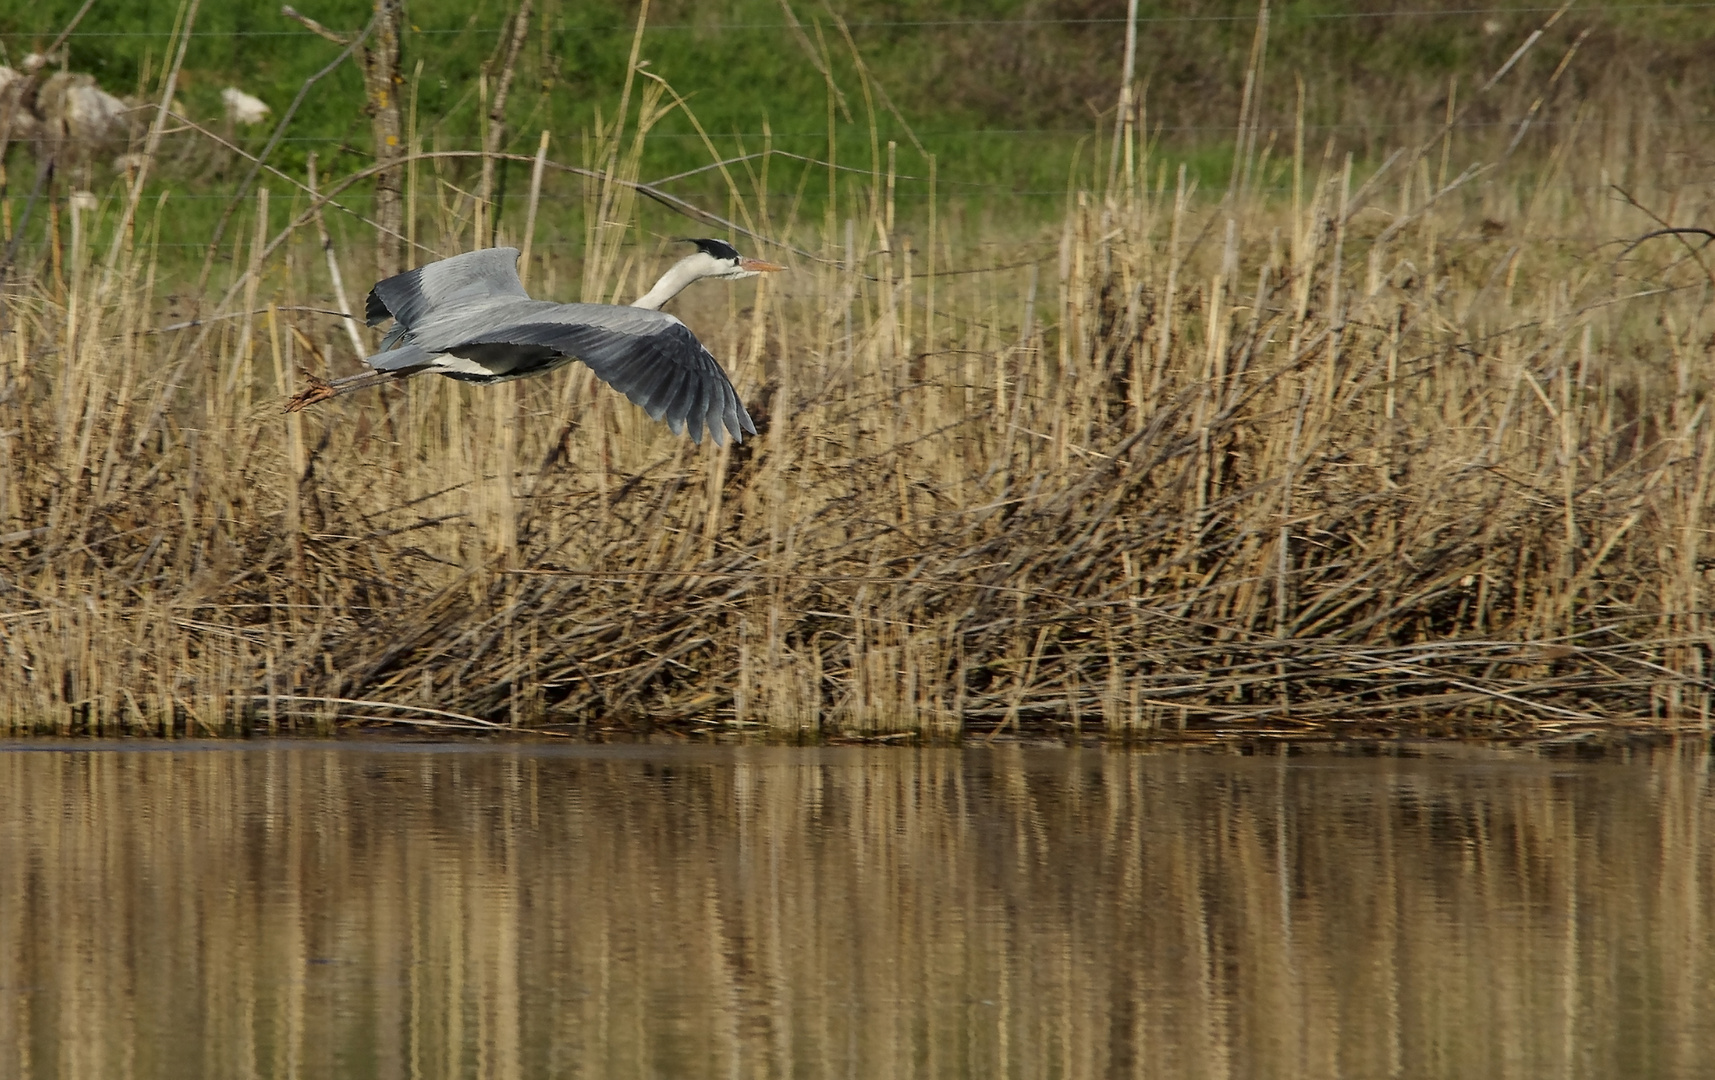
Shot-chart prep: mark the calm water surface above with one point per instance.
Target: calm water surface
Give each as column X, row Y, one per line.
column 326, row 910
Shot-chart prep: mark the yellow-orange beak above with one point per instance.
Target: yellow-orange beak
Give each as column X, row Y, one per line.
column 757, row 266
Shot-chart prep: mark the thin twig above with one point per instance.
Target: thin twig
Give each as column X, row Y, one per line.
column 314, row 27
column 257, row 160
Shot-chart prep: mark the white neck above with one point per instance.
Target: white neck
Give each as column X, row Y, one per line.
column 672, row 283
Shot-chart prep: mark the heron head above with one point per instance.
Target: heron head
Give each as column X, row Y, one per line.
column 719, row 259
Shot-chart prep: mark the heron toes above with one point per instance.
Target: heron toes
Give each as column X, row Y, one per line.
column 319, row 390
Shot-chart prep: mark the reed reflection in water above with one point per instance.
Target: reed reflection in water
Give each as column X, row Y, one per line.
column 398, row 911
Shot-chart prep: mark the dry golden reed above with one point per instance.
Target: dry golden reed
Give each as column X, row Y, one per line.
column 1396, row 446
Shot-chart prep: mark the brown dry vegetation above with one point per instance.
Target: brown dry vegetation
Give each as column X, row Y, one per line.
column 1426, row 450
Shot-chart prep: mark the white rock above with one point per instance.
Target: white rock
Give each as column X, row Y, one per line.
column 24, row 127
column 92, row 113
column 73, row 106
column 242, row 108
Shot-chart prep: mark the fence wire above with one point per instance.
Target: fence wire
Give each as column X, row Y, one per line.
column 1276, row 17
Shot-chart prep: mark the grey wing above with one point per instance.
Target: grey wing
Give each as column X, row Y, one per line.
column 650, row 357
column 475, row 276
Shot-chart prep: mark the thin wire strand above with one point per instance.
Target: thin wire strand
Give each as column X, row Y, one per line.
column 1286, row 15
column 1165, row 129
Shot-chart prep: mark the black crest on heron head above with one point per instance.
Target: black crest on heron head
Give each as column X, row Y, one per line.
column 720, row 249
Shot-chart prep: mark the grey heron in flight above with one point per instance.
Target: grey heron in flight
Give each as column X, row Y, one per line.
column 469, row 318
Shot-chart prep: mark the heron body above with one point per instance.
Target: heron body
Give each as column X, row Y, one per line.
column 469, row 318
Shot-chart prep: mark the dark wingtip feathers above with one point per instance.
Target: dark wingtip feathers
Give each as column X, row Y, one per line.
column 375, row 310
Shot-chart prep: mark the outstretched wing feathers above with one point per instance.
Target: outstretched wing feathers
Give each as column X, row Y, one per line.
column 651, row 389
column 476, row 276
column 655, row 361
column 473, row 306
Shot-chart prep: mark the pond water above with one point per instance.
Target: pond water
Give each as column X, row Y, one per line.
column 407, row 911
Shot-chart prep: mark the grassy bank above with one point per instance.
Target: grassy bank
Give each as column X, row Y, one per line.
column 1004, row 95
column 1422, row 448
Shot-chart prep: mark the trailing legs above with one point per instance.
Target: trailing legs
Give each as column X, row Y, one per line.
column 323, row 390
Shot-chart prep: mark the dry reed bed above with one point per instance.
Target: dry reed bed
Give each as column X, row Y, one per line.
column 1420, row 453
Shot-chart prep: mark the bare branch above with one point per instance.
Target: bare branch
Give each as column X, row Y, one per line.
column 257, row 161
column 313, row 26
column 497, row 114
column 1689, row 230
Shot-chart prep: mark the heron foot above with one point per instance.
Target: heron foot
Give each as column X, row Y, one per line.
column 319, row 390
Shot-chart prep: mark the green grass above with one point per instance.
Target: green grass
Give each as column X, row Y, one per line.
column 1002, row 103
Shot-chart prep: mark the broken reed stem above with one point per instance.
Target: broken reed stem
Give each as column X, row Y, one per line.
column 413, row 147
column 480, row 226
column 530, row 209
column 334, row 275
column 243, row 372
column 294, row 461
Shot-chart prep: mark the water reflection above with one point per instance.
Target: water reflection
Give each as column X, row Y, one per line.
column 317, row 911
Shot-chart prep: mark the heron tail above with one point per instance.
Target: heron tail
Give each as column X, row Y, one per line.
column 404, row 358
